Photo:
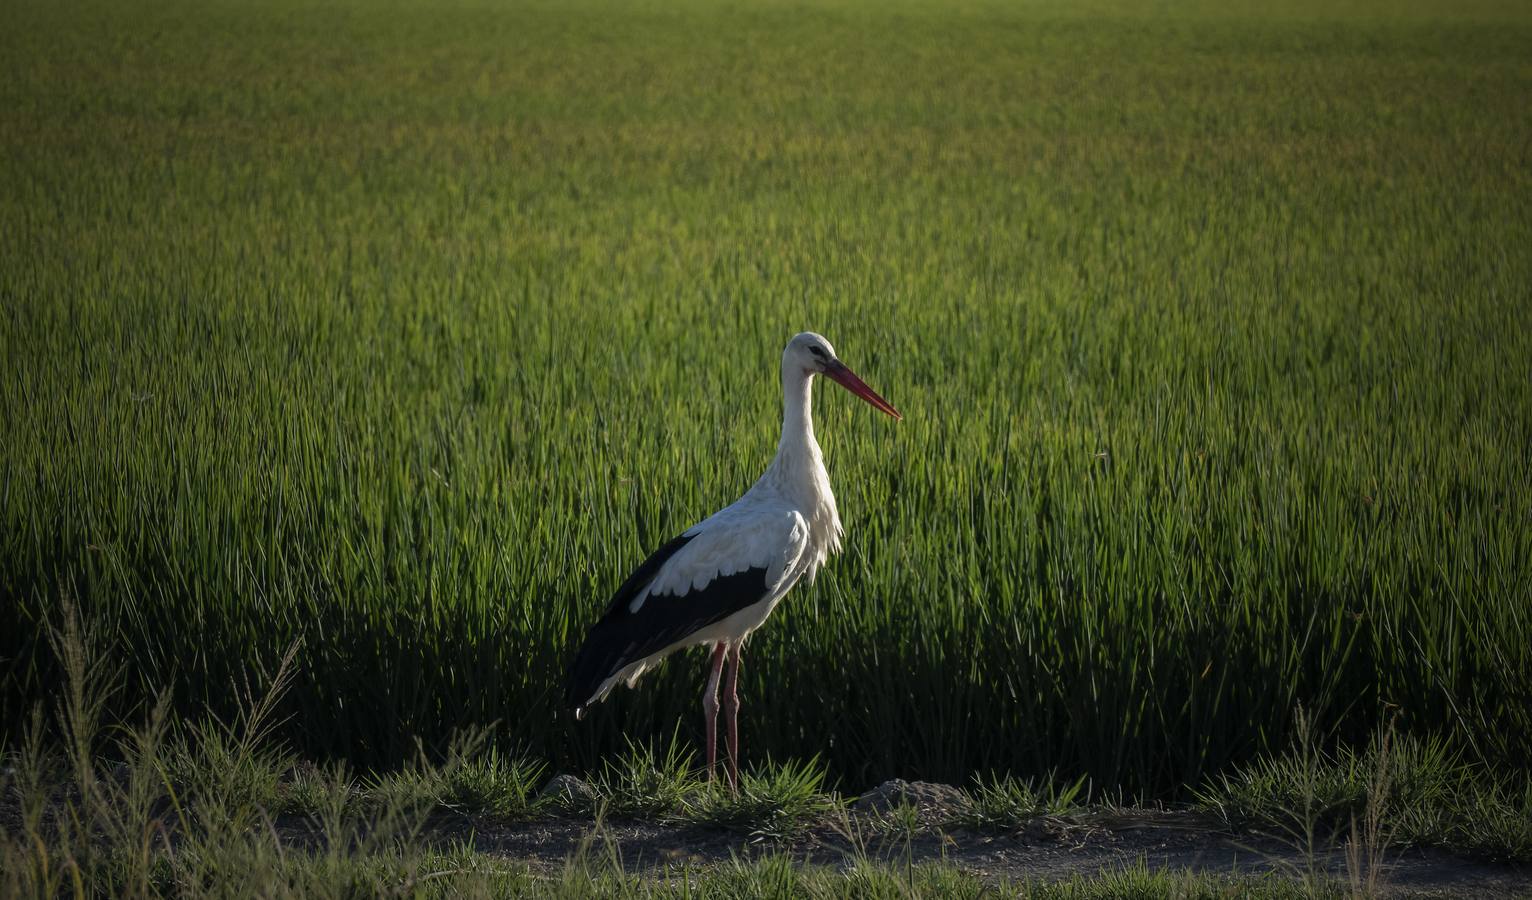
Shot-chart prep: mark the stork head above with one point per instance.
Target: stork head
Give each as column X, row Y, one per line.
column 813, row 355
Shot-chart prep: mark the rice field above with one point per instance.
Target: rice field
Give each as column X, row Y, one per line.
column 405, row 329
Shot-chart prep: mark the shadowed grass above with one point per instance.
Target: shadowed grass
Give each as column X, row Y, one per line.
column 1426, row 794
column 774, row 802
column 167, row 810
column 1006, row 803
column 645, row 781
column 474, row 778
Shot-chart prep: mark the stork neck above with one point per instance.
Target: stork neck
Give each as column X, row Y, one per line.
column 797, row 441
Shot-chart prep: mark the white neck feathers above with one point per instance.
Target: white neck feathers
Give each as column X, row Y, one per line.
column 797, row 415
column 797, row 474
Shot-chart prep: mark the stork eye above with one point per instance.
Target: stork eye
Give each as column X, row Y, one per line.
column 816, row 351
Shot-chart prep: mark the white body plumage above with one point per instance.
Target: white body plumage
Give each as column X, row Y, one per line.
column 721, row 579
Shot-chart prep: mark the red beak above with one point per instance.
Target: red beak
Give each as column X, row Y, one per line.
column 837, row 372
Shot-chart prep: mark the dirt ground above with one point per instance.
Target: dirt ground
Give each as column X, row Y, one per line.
column 1051, row 849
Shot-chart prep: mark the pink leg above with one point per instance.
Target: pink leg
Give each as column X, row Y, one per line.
column 731, row 715
column 710, row 705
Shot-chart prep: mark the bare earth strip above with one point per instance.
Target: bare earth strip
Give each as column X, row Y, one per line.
column 1051, row 849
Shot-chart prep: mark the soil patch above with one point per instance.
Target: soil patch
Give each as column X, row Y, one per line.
column 1048, row 848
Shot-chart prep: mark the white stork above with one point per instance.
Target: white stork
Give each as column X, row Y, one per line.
column 719, row 580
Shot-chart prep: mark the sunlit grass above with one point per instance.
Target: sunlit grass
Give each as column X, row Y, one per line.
column 408, row 331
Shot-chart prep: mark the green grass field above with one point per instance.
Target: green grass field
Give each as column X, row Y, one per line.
column 406, row 329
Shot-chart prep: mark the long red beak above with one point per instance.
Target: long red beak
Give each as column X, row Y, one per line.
column 837, row 372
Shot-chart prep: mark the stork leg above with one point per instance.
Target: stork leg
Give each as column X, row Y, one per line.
column 731, row 715
column 710, row 705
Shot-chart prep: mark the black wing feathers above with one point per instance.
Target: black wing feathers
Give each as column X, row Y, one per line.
column 645, row 573
column 621, row 637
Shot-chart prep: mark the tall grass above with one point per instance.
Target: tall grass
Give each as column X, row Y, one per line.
column 407, row 329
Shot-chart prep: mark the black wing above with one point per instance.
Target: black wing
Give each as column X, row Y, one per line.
column 622, row 638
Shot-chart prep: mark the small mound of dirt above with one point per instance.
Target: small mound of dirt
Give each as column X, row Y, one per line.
column 569, row 793
column 933, row 802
